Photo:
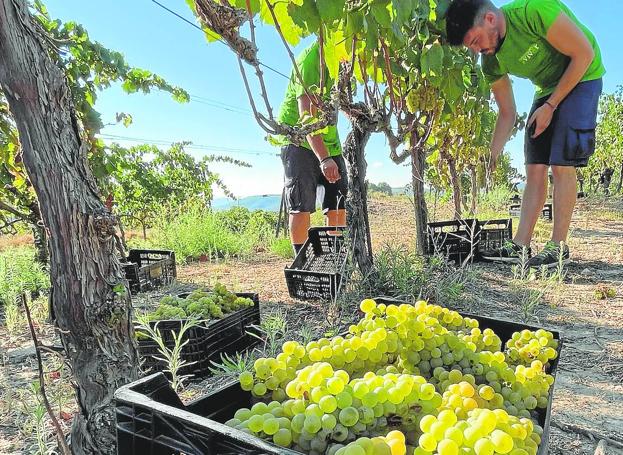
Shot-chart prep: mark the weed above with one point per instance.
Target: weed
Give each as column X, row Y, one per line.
column 171, row 357
column 282, row 247
column 20, row 273
column 529, row 303
column 273, row 328
column 521, row 271
column 231, row 367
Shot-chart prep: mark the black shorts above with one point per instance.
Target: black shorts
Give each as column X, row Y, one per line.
column 303, row 176
column 569, row 140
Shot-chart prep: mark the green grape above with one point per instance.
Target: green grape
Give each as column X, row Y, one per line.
column 298, row 422
column 328, row 404
column 426, row 423
column 312, row 424
column 256, row 423
column 259, row 389
column 271, row 426
column 283, row 437
column 344, row 400
column 428, row 442
column 349, row 416
column 484, row 446
column 447, row 447
column 502, row 441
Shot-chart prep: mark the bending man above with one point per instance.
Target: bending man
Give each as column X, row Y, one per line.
column 540, row 40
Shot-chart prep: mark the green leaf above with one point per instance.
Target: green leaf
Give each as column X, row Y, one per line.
column 452, row 86
column 291, row 32
column 372, row 33
column 334, row 52
column 380, row 12
column 330, row 10
column 242, row 4
column 432, row 59
column 442, row 7
column 403, row 9
column 305, row 16
column 354, row 23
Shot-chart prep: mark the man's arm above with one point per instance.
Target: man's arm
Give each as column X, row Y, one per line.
column 507, row 114
column 568, row 39
column 329, row 167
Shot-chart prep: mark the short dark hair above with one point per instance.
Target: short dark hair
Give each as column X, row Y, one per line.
column 462, row 15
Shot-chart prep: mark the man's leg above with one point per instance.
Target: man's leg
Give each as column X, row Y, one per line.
column 534, row 197
column 299, row 225
column 335, row 217
column 565, row 195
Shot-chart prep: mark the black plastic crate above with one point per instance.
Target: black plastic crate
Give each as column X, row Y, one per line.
column 494, row 233
column 206, row 342
column 546, row 214
column 149, row 269
column 151, row 419
column 317, row 270
column 456, row 239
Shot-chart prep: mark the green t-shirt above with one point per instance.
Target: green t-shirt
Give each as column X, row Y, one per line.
column 309, row 66
column 526, row 53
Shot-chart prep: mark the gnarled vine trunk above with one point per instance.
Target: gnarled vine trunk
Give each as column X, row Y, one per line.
column 474, row 182
column 418, row 168
column 456, row 185
column 90, row 300
column 357, row 200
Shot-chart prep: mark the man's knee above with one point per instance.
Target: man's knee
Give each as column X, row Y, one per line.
column 536, row 173
column 564, row 172
column 299, row 217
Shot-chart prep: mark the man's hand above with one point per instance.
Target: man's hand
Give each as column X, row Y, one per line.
column 541, row 118
column 493, row 162
column 330, row 170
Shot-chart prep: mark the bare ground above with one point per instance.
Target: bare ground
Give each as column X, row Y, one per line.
column 588, row 402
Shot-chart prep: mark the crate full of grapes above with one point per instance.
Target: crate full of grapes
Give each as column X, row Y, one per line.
column 224, row 324
column 411, row 379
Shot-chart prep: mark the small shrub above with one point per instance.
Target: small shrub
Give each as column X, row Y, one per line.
column 235, row 219
column 260, row 228
column 197, row 231
column 282, row 248
column 497, row 200
column 402, row 274
column 19, row 273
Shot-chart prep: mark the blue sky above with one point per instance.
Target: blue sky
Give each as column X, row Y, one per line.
column 219, row 119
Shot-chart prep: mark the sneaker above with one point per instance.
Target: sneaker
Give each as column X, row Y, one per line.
column 550, row 256
column 510, row 252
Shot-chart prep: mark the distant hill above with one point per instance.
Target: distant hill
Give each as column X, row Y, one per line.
column 268, row 202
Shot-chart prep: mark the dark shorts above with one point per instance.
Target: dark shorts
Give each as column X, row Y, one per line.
column 303, row 176
column 569, row 140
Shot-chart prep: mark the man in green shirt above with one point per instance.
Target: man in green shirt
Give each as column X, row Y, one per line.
column 316, row 162
column 543, row 41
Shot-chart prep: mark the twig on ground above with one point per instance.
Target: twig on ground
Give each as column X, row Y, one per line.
column 597, row 339
column 570, row 428
column 59, row 431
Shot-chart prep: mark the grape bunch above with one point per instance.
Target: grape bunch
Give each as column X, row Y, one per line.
column 201, row 303
column 526, row 346
column 406, row 379
column 484, row 431
column 393, row 443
